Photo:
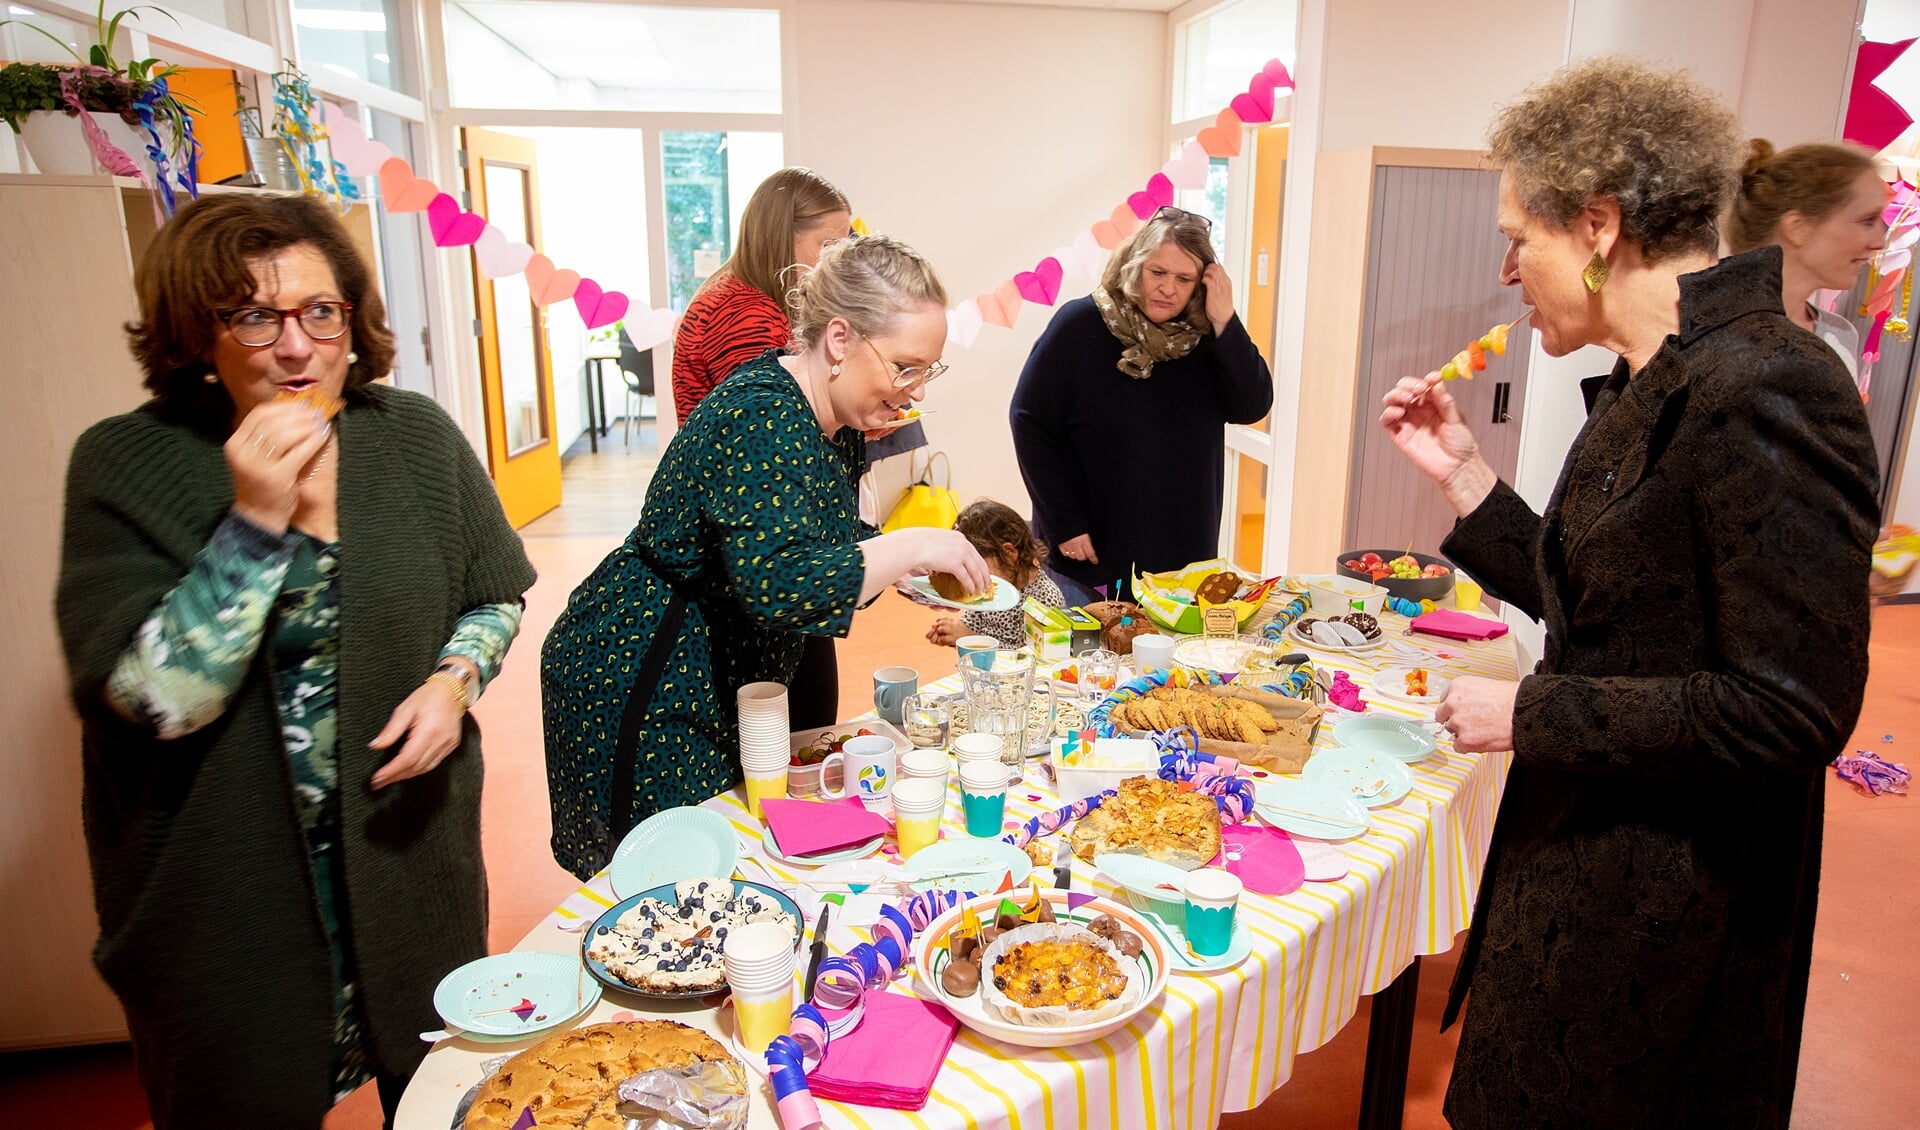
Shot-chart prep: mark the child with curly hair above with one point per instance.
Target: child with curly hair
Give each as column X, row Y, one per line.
column 1007, row 544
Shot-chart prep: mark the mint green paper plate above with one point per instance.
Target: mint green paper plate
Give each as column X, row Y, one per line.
column 554, row 983
column 681, row 843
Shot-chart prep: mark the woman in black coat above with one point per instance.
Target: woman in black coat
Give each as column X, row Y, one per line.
column 1119, row 417
column 1639, row 955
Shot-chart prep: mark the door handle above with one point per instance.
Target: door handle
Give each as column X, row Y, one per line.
column 1502, row 400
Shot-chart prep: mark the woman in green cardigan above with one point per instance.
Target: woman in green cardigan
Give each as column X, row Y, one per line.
column 275, row 618
column 750, row 542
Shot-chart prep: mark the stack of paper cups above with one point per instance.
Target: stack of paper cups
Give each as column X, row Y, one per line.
column 979, row 747
column 925, row 764
column 918, row 804
column 759, row 963
column 983, row 796
column 764, row 746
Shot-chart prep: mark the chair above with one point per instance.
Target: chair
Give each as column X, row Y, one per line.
column 636, row 367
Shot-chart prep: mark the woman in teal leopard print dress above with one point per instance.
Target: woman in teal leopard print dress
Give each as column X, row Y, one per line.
column 749, row 542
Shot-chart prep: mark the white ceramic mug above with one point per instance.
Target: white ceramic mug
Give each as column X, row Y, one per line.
column 868, row 770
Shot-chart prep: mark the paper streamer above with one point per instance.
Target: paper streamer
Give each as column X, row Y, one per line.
column 841, row 986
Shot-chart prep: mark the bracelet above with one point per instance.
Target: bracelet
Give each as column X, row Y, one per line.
column 448, row 678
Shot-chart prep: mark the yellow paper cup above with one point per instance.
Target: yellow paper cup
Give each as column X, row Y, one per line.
column 763, row 787
column 1466, row 595
column 918, row 805
column 916, row 832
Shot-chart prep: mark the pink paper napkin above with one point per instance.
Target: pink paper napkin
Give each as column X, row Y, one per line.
column 1454, row 625
column 891, row 1059
column 803, row 827
column 1264, row 858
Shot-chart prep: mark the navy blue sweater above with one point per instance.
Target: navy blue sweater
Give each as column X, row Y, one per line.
column 1136, row 465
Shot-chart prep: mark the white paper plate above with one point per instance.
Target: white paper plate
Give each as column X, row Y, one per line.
column 1311, row 810
column 1391, row 684
column 680, row 843
column 555, row 983
column 1348, row 770
column 1005, row 596
column 1148, row 878
column 1172, row 917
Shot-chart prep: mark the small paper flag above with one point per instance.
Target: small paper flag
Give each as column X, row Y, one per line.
column 969, row 923
column 524, row 1009
column 858, row 888
column 1032, row 912
column 525, row 1121
column 836, row 899
column 1076, row 900
column 1007, row 906
column 1006, row 883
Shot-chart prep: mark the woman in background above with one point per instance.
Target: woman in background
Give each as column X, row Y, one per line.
column 1822, row 204
column 1119, row 418
column 274, row 624
column 750, row 544
column 740, row 313
column 1006, row 543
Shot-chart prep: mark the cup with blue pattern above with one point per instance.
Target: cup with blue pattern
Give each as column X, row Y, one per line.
column 1213, row 896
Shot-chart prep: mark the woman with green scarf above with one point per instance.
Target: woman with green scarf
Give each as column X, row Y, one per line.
column 1119, row 419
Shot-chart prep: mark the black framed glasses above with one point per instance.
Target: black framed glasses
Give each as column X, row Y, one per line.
column 1168, row 211
column 906, row 376
column 259, row 326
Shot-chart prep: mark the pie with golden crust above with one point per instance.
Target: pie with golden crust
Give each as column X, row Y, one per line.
column 1153, row 818
column 569, row 1080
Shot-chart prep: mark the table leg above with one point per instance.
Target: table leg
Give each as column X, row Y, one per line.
column 600, row 384
column 1383, row 1089
column 591, row 374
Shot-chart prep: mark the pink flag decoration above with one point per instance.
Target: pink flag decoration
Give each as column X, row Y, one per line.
column 1873, row 118
column 452, row 227
column 1042, row 284
column 1277, row 71
column 497, row 256
column 598, row 307
column 525, row 1121
column 1076, row 900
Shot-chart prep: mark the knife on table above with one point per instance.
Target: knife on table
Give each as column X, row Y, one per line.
column 1063, row 865
column 819, row 953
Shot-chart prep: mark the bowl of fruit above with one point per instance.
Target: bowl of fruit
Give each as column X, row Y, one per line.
column 806, row 768
column 1411, row 576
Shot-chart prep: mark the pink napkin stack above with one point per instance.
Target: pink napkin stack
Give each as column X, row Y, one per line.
column 1454, row 625
column 805, row 827
column 891, row 1059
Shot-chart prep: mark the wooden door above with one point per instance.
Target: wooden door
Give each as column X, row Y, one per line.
column 516, row 370
column 1433, row 285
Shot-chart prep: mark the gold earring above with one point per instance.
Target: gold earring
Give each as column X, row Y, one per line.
column 211, row 378
column 1595, row 275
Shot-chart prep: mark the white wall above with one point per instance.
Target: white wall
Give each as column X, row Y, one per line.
column 1031, row 124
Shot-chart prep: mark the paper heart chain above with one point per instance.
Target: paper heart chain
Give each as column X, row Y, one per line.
column 495, row 254
column 1086, row 257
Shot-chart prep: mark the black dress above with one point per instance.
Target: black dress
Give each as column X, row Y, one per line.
column 1138, row 465
column 1639, row 955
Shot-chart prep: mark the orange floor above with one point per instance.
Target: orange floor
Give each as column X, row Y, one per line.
column 1863, row 1012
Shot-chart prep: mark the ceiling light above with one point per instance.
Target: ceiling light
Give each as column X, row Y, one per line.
column 339, row 70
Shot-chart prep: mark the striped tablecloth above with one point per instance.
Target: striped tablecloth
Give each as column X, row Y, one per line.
column 1214, row 1043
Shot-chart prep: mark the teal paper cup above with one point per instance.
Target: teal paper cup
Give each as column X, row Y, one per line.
column 983, row 797
column 1212, row 897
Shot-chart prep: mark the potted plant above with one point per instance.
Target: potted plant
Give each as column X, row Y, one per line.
column 129, row 103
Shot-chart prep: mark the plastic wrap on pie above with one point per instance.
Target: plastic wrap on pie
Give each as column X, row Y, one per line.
column 1055, row 974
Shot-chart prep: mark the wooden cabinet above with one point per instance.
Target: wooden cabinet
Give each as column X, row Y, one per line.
column 66, row 294
column 1405, row 269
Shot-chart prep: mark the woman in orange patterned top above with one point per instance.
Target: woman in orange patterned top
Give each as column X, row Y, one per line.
column 741, row 310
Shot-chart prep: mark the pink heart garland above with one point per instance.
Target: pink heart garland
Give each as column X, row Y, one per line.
column 1092, row 255
column 401, row 191
column 994, row 313
column 1042, row 284
column 1141, row 203
column 1256, row 105
column 549, row 284
column 1277, row 71
column 598, row 307
column 1161, row 189
column 1189, row 169
column 963, row 323
column 1124, row 220
column 450, row 226
column 350, row 144
column 497, row 256
column 1106, row 234
column 652, row 328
